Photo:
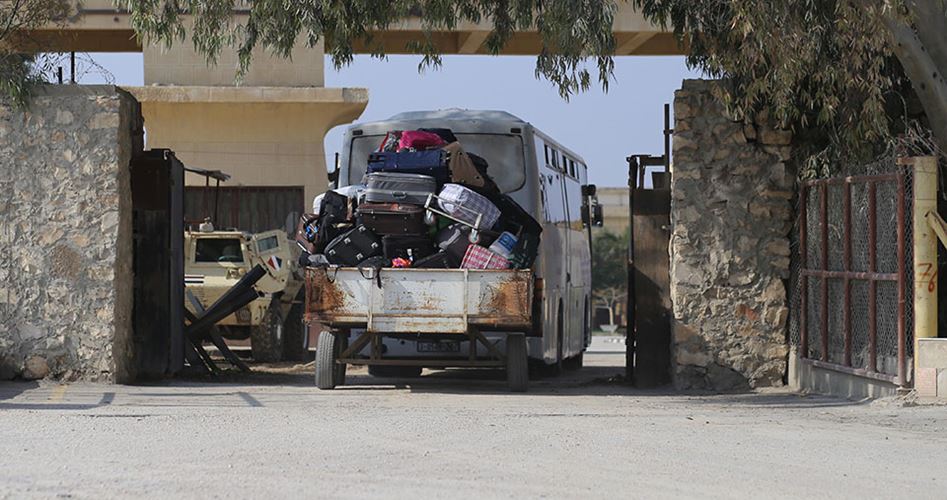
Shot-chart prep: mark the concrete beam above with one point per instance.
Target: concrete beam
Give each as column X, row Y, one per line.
column 633, row 43
column 471, row 41
column 636, row 35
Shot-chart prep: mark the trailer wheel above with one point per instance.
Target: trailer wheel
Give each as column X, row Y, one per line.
column 266, row 339
column 517, row 371
column 341, row 344
column 326, row 352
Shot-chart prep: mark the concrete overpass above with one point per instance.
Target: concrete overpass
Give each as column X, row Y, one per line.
column 269, row 130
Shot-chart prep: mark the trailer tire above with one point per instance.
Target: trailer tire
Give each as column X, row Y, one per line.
column 326, row 370
column 341, row 344
column 517, row 363
column 266, row 339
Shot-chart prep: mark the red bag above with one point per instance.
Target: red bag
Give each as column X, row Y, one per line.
column 419, row 140
column 478, row 257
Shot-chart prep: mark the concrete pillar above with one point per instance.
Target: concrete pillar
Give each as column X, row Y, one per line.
column 925, row 250
column 262, row 136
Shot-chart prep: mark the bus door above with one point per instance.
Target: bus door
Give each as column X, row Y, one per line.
column 557, row 261
column 575, row 281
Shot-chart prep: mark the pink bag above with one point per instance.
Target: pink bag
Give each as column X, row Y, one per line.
column 478, row 257
column 419, row 140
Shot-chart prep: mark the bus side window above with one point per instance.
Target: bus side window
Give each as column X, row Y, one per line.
column 572, row 168
column 546, row 149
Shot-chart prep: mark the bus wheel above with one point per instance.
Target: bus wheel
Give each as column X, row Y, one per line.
column 575, row 362
column 517, row 369
column 326, row 371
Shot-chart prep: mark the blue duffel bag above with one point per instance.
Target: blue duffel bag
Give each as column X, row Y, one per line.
column 432, row 162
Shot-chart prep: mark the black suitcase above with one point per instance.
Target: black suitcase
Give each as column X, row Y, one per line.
column 392, row 218
column 412, row 248
column 336, row 208
column 439, row 260
column 516, row 220
column 455, row 239
column 353, row 247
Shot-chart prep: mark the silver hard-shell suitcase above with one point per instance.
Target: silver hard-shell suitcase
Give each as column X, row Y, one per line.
column 388, row 187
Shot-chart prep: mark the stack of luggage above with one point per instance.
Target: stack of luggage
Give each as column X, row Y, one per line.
column 424, row 203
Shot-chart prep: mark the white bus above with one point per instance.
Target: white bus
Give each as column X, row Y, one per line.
column 549, row 181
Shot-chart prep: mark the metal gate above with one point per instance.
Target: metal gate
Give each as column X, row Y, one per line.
column 157, row 185
column 852, row 274
column 247, row 208
column 648, row 346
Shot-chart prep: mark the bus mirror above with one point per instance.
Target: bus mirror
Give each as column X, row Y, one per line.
column 597, row 219
column 333, row 173
column 588, row 190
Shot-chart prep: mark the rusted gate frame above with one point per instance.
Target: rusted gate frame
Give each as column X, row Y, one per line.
column 848, row 276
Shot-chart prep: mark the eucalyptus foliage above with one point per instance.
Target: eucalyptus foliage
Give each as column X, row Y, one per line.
column 847, row 72
column 572, row 31
column 20, row 66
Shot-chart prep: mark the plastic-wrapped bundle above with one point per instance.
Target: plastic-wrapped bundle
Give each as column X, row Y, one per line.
column 467, row 205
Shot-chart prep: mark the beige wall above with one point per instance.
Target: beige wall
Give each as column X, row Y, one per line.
column 181, row 65
column 261, row 136
column 614, row 201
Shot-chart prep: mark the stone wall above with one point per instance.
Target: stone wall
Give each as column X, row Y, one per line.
column 66, row 235
column 731, row 215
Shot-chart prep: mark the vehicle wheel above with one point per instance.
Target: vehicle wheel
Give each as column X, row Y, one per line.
column 575, row 362
column 395, row 371
column 342, row 343
column 326, row 370
column 266, row 339
column 517, row 369
column 294, row 332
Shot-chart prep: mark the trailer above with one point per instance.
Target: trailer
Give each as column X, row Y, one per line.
column 434, row 306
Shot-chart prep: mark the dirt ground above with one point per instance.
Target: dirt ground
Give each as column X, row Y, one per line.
column 459, row 434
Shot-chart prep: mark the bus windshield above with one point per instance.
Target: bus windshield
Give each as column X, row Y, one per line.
column 504, row 155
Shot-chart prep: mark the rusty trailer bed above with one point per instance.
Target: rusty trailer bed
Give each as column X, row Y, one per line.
column 441, row 301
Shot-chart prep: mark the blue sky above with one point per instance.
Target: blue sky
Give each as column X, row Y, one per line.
column 602, row 127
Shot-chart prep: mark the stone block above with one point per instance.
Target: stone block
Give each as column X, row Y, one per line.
column 942, row 383
column 731, row 249
column 932, row 353
column 68, row 167
column 36, row 368
column 925, row 382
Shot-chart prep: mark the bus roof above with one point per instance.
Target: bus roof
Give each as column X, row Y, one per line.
column 459, row 120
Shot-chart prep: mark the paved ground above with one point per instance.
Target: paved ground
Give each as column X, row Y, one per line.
column 454, row 434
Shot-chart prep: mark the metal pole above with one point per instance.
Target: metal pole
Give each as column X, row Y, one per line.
column 872, row 284
column 667, row 137
column 804, row 292
column 824, row 202
column 847, row 264
column 72, row 67
column 902, row 283
column 630, row 336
